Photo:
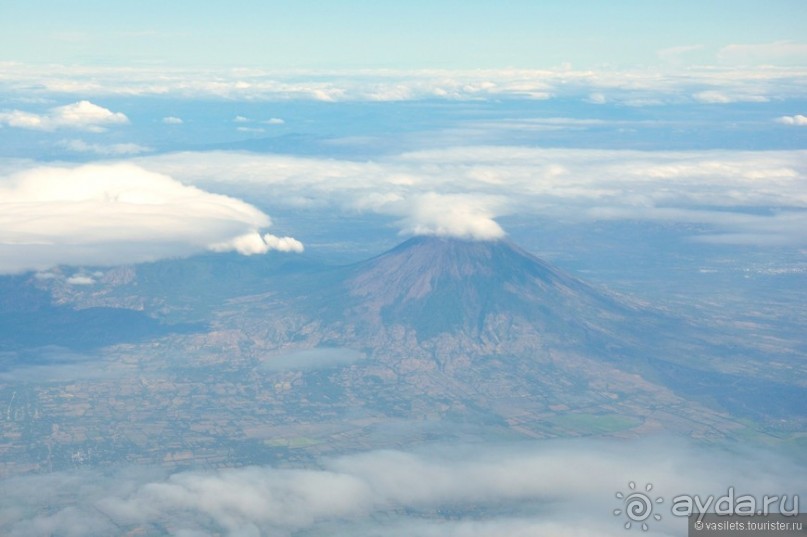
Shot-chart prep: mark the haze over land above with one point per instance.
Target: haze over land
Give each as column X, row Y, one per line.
column 299, row 270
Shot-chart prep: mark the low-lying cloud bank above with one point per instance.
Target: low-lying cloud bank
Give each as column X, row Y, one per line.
column 563, row 488
column 145, row 208
column 114, row 214
column 735, row 197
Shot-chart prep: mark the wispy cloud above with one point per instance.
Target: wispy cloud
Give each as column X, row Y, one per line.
column 596, row 98
column 253, row 130
column 678, row 55
column 51, row 364
column 172, row 120
column 82, row 115
column 722, row 97
column 80, row 146
column 775, row 53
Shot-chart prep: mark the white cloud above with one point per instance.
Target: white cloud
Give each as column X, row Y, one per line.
column 241, row 119
column 798, row 120
column 82, row 115
column 257, row 130
column 597, row 98
column 721, row 97
column 283, row 244
column 172, row 120
column 451, row 215
column 80, row 146
column 563, row 488
column 274, row 121
column 115, row 214
column 80, row 279
column 253, row 243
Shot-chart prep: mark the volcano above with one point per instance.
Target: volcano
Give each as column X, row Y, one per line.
column 475, row 290
column 482, row 310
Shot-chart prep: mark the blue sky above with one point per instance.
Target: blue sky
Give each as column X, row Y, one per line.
column 401, row 35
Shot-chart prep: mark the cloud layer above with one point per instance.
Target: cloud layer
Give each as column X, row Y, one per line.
column 135, row 211
column 116, row 214
column 632, row 87
column 460, row 191
column 564, row 488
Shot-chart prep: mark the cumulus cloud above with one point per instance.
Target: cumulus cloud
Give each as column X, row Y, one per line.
column 454, row 215
column 283, row 244
column 82, row 115
column 80, row 279
column 253, row 243
column 274, row 121
column 563, row 488
column 172, row 120
column 798, row 120
column 118, row 213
